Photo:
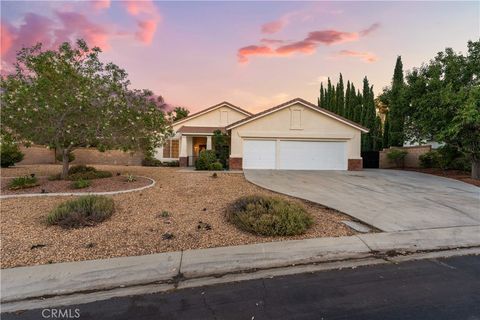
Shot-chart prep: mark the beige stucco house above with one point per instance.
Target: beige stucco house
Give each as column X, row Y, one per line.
column 296, row 135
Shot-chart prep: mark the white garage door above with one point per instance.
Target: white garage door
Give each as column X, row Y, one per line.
column 259, row 154
column 312, row 155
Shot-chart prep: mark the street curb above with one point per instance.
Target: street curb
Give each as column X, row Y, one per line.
column 65, row 194
column 77, row 282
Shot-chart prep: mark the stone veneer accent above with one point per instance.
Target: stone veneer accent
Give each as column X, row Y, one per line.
column 183, row 162
column 355, row 164
column 235, row 163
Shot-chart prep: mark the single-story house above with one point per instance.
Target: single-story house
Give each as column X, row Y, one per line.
column 295, row 135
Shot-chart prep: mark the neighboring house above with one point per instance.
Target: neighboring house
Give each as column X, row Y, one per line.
column 296, row 135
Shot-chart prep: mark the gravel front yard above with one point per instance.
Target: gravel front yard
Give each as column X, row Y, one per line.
column 196, row 203
column 96, row 185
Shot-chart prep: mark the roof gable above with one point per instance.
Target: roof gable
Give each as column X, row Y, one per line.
column 304, row 103
column 213, row 108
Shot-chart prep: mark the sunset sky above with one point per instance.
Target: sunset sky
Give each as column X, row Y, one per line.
column 252, row 54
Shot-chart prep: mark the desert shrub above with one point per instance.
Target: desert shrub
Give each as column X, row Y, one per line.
column 82, row 172
column 81, row 212
column 151, row 162
column 70, row 155
column 171, row 163
column 215, row 166
column 269, row 216
column 205, row 159
column 429, row 159
column 80, row 168
column 130, row 178
column 9, row 152
column 80, row 184
column 398, row 157
column 23, row 182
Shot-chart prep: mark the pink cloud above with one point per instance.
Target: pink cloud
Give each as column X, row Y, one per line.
column 146, row 31
column 274, row 26
column 148, row 17
column 304, row 46
column 244, row 52
column 364, row 56
column 76, row 25
column 7, row 37
column 370, row 29
column 308, row 45
column 101, row 4
column 329, row 37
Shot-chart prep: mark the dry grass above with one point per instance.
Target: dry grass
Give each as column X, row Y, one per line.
column 137, row 226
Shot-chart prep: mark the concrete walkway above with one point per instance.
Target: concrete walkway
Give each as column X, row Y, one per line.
column 80, row 282
column 390, row 200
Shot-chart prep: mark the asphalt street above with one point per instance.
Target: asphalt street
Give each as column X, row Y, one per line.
column 427, row 289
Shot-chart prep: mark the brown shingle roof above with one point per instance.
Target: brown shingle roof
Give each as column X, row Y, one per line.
column 213, row 107
column 332, row 114
column 208, row 130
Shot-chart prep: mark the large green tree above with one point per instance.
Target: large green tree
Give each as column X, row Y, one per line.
column 67, row 98
column 397, row 106
column 444, row 102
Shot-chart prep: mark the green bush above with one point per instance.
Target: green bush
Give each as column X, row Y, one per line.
column 82, row 172
column 171, row 163
column 23, row 182
column 9, row 152
column 215, row 166
column 269, row 216
column 151, row 162
column 80, row 168
column 84, row 211
column 205, row 159
column 71, row 157
column 429, row 159
column 398, row 157
column 80, row 184
column 130, row 178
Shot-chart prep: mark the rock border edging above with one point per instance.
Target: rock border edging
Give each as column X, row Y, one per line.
column 69, row 194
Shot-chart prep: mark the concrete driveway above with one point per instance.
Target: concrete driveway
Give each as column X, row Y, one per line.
column 390, row 200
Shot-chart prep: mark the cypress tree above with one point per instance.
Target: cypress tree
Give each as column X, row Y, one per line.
column 358, row 108
column 333, row 100
column 397, row 106
column 365, row 101
column 377, row 140
column 321, row 100
column 352, row 102
column 347, row 101
column 328, row 96
column 340, row 97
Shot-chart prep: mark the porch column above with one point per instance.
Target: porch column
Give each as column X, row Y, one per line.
column 183, row 157
column 209, row 142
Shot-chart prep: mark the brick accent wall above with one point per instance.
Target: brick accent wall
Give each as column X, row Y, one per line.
column 355, row 164
column 183, row 161
column 42, row 155
column 235, row 163
column 411, row 159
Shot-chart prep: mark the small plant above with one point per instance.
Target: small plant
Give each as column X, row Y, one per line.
column 214, row 175
column 165, row 214
column 168, row 236
column 130, row 178
column 23, row 183
column 81, row 212
column 9, row 152
column 269, row 216
column 398, row 157
column 80, row 184
column 80, row 172
column 216, row 166
column 80, row 168
column 205, row 159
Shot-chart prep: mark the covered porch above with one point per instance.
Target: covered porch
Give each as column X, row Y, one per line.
column 192, row 141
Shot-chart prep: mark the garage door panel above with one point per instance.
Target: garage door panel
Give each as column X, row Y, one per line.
column 312, row 155
column 259, row 154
